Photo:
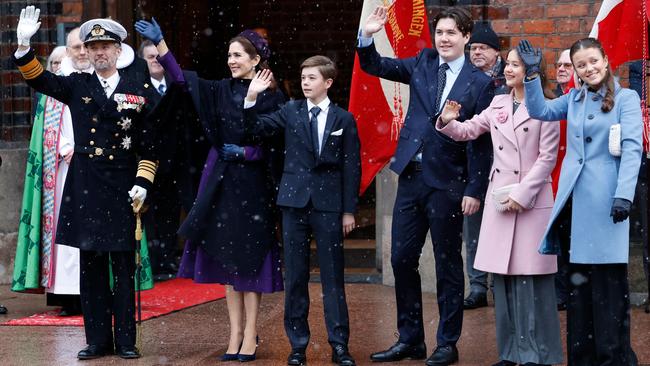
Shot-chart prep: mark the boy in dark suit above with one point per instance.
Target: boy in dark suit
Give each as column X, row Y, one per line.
column 318, row 195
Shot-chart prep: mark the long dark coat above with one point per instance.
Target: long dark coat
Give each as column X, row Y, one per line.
column 96, row 212
column 233, row 218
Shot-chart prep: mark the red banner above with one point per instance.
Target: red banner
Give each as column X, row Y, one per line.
column 379, row 106
column 621, row 27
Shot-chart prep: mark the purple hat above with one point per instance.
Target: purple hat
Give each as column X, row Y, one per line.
column 260, row 44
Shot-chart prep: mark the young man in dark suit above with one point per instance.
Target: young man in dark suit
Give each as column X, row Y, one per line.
column 318, row 195
column 439, row 180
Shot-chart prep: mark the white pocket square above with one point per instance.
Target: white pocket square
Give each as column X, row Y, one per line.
column 337, row 132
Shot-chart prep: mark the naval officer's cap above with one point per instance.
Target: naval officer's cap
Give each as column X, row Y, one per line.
column 101, row 29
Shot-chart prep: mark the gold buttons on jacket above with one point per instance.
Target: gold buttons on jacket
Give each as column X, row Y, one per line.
column 110, row 157
column 117, row 135
column 92, row 143
column 94, row 118
column 92, row 130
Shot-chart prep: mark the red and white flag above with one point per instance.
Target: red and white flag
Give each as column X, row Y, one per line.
column 621, row 27
column 379, row 105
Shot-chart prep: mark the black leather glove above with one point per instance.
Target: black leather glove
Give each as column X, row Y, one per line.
column 231, row 152
column 531, row 57
column 620, row 209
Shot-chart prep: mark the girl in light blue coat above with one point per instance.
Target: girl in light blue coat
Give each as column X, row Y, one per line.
column 594, row 197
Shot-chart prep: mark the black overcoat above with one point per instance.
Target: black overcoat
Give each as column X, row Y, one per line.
column 233, row 217
column 96, row 212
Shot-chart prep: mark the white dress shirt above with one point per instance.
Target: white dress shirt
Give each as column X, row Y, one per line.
column 156, row 84
column 112, row 82
column 324, row 106
column 452, row 74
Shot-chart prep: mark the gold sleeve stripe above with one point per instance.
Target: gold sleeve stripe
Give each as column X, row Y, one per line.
column 147, row 170
column 32, row 69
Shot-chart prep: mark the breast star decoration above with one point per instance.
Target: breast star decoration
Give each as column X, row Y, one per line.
column 126, row 142
column 125, row 123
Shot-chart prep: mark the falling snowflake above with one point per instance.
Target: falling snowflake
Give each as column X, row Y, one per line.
column 126, row 124
column 126, row 143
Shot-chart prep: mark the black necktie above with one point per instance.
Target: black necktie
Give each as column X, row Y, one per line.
column 106, row 87
column 442, row 79
column 314, row 129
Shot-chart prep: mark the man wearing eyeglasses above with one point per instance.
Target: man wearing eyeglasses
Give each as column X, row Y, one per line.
column 563, row 72
column 484, row 54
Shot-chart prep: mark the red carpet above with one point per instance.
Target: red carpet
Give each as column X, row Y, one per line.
column 164, row 298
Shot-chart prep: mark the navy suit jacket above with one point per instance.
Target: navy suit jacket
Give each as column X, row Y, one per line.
column 460, row 167
column 332, row 179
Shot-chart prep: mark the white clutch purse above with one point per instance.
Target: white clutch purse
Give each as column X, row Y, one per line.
column 615, row 139
column 501, row 194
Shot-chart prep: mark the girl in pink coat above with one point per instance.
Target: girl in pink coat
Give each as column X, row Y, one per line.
column 517, row 209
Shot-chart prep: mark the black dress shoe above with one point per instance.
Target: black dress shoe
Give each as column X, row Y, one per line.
column 561, row 306
column 94, row 351
column 400, row 351
column 475, row 300
column 442, row 356
column 505, row 363
column 341, row 356
column 297, row 358
column 69, row 311
column 128, row 352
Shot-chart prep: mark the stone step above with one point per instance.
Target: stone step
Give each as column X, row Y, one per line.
column 352, row 275
column 358, row 253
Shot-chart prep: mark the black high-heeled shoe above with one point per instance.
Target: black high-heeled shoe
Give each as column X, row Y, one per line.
column 231, row 356
column 248, row 358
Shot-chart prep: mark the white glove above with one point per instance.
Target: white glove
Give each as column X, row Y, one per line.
column 138, row 193
column 28, row 25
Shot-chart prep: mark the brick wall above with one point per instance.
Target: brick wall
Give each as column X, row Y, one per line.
column 298, row 29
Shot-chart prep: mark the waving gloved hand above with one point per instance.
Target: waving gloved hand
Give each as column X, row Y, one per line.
column 232, row 152
column 28, row 25
column 620, row 209
column 149, row 30
column 531, row 57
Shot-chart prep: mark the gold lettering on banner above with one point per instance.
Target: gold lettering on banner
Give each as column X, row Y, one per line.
column 418, row 18
column 394, row 26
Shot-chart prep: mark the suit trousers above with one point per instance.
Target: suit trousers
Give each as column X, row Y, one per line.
column 298, row 225
column 419, row 208
column 100, row 304
column 478, row 280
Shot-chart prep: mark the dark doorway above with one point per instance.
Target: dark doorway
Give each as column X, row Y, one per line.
column 198, row 33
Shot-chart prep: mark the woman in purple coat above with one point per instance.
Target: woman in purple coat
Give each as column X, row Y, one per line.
column 525, row 151
column 231, row 227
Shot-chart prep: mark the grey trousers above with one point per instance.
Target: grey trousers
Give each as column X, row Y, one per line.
column 471, row 228
column 527, row 321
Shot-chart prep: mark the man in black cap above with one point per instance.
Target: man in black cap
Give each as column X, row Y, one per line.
column 484, row 54
column 113, row 152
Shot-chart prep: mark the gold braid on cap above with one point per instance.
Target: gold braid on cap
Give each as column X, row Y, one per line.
column 31, row 70
column 147, row 169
